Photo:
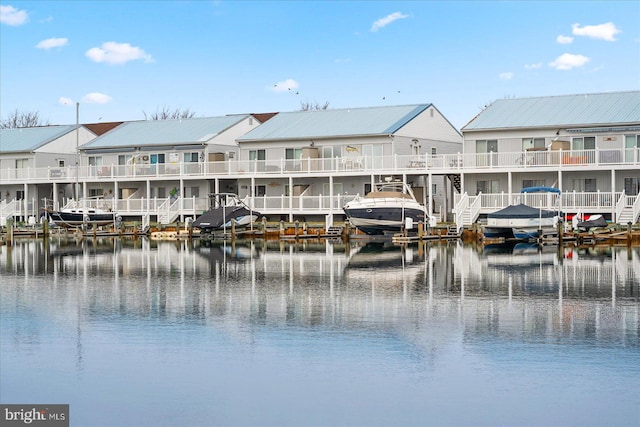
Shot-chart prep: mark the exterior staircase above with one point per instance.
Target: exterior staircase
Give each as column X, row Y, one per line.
column 455, row 181
column 627, row 216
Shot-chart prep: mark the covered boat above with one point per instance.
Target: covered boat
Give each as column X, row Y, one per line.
column 224, row 208
column 390, row 207
column 520, row 222
column 594, row 221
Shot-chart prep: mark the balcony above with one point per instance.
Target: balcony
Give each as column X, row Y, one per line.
column 396, row 164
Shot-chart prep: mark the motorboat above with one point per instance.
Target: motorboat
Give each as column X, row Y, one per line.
column 523, row 222
column 76, row 217
column 226, row 209
column 390, row 207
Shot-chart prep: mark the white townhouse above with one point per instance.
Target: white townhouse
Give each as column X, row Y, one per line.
column 306, row 164
column 586, row 145
column 31, row 159
column 163, row 168
column 299, row 165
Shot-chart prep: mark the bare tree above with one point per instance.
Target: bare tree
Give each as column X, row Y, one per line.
column 22, row 119
column 313, row 106
column 166, row 114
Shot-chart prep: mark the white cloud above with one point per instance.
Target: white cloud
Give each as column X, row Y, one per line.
column 96, row 98
column 65, row 101
column 567, row 61
column 11, row 16
column 606, row 31
column 506, row 76
column 383, row 22
column 564, row 39
column 117, row 53
column 285, row 85
column 533, row 66
column 52, row 42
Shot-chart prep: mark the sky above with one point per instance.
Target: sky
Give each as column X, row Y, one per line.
column 121, row 60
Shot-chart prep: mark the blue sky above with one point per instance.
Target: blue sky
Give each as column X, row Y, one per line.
column 122, row 59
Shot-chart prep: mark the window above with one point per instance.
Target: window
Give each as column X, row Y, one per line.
column 337, row 188
column 632, row 186
column 487, row 146
column 487, row 187
column 95, row 160
column 96, row 192
column 259, row 190
column 95, row 163
column 124, row 159
column 257, row 155
column 20, row 195
column 293, row 153
column 584, row 143
column 21, row 167
column 434, row 151
column 159, row 192
column 533, row 183
column 631, row 145
column 191, row 157
column 60, row 163
column 532, row 143
column 367, row 188
column 156, row 158
column 192, row 191
column 373, row 156
column 585, row 185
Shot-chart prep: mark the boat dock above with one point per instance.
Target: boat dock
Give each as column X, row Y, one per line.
column 612, row 235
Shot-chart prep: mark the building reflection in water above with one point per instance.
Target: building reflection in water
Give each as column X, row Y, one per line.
column 353, row 285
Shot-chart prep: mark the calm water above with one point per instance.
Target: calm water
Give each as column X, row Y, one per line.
column 140, row 333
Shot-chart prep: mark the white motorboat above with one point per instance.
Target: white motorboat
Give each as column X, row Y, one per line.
column 390, row 207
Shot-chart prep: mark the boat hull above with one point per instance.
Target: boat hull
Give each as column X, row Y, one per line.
column 378, row 220
column 527, row 233
column 76, row 219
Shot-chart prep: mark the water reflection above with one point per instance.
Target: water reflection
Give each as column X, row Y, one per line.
column 417, row 320
column 315, row 282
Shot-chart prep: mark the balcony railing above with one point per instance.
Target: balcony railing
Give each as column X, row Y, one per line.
column 443, row 163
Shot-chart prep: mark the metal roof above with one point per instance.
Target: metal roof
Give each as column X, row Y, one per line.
column 560, row 111
column 335, row 123
column 164, row 132
column 30, row 139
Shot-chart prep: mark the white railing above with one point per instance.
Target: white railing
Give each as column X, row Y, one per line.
column 446, row 163
column 474, row 211
column 621, row 205
column 636, row 208
column 459, row 211
column 9, row 209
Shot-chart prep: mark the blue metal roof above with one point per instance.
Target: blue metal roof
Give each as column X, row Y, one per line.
column 164, row 132
column 335, row 123
column 30, row 139
column 560, row 111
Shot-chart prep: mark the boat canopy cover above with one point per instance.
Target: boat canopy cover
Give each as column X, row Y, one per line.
column 540, row 189
column 521, row 211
